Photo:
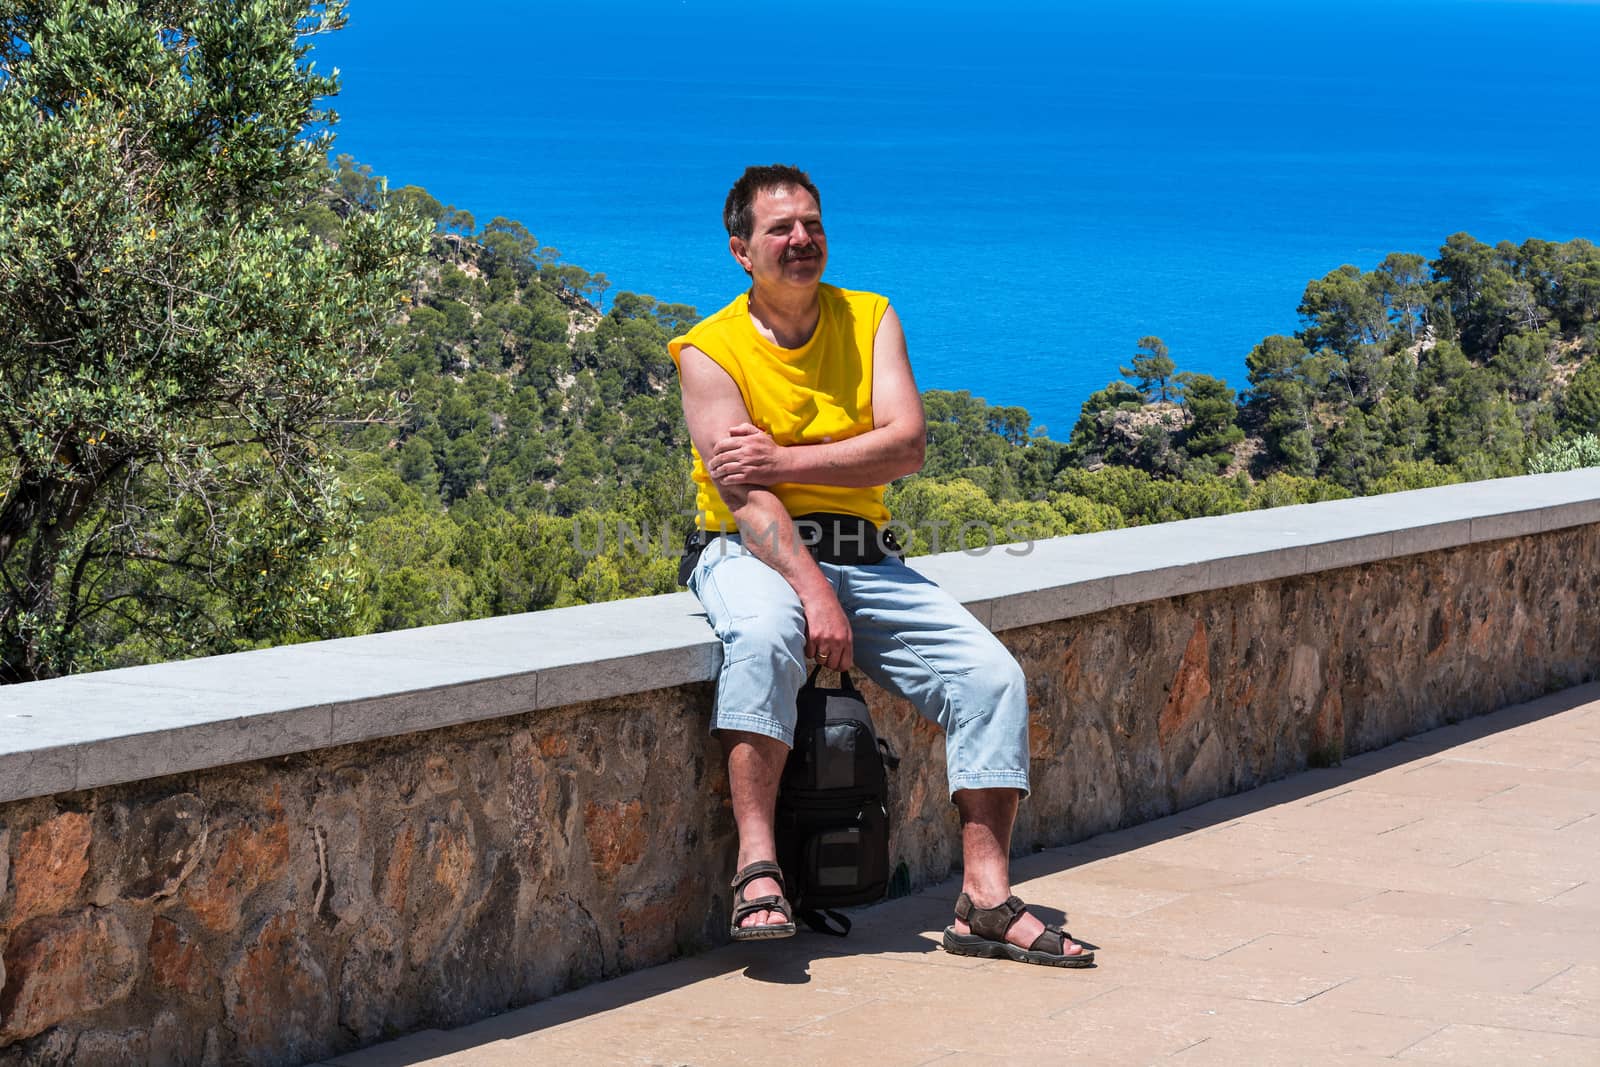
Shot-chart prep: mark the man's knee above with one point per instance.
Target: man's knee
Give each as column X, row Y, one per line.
column 994, row 693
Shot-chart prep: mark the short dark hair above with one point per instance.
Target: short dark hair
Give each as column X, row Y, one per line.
column 738, row 213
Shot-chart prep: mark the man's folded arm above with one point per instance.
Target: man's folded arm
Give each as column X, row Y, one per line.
column 895, row 445
column 712, row 406
column 893, row 448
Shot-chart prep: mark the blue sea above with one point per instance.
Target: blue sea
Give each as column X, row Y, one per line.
column 1035, row 185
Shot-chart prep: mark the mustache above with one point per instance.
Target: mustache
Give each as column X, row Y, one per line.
column 796, row 253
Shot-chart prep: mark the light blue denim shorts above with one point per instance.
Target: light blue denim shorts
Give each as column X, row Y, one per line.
column 910, row 636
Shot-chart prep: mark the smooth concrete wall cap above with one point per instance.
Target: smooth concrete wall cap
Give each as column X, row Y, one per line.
column 140, row 722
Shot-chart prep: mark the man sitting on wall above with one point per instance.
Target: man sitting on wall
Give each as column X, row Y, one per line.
column 801, row 403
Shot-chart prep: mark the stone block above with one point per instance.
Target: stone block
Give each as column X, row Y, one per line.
column 113, row 1048
column 433, row 707
column 1190, row 689
column 616, row 836
column 1432, row 537
column 1521, row 523
column 52, row 861
column 61, row 967
column 276, row 997
column 1160, row 583
column 245, row 857
column 186, row 739
column 1329, row 555
column 148, row 849
column 601, row 678
column 1249, row 567
column 1049, row 604
column 37, row 772
column 175, row 959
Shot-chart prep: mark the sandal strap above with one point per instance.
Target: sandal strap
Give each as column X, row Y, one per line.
column 755, row 904
column 758, row 869
column 990, row 923
column 1051, row 933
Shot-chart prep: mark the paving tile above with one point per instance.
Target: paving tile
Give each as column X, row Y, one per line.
column 1418, row 840
column 1506, row 939
column 1126, row 965
column 1580, row 834
column 1580, row 982
column 1415, row 1000
column 1232, row 917
column 1293, row 891
column 1447, row 779
column 1470, row 913
column 969, row 1026
column 1195, row 1016
column 1229, row 1051
column 1581, row 777
column 1531, row 752
column 1352, row 810
column 1536, row 876
column 1493, row 1046
column 1516, row 886
column 1212, row 852
column 702, row 1038
column 1135, row 871
column 1450, row 966
column 1583, row 897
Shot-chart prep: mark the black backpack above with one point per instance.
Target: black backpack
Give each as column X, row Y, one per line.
column 833, row 807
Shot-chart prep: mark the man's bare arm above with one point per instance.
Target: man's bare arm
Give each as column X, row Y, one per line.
column 893, row 448
column 712, row 405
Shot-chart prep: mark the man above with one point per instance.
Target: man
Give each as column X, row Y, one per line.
column 800, row 402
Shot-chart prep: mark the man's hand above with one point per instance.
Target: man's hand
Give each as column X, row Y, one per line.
column 828, row 638
column 747, row 456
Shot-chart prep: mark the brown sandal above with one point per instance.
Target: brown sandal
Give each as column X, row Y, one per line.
column 988, row 936
column 743, row 908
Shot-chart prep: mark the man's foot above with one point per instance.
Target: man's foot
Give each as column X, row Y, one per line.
column 1009, row 931
column 761, row 887
column 760, row 910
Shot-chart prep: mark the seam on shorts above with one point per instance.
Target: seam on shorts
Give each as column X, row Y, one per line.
column 754, row 724
column 996, row 779
column 708, row 585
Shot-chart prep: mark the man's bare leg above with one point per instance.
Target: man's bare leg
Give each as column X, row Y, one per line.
column 755, row 763
column 987, row 816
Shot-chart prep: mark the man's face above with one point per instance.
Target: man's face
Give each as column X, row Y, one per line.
column 786, row 246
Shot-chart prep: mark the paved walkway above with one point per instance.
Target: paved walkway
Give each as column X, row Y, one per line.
column 1435, row 902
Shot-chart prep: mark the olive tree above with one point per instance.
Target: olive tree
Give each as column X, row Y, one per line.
column 177, row 349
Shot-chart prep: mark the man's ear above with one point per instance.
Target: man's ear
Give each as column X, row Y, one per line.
column 740, row 250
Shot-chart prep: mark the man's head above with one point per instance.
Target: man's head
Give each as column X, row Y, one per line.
column 774, row 219
column 738, row 211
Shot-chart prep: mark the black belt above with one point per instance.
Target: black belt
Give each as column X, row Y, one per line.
column 830, row 537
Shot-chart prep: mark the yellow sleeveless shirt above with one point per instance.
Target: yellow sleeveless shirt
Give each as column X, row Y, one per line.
column 814, row 394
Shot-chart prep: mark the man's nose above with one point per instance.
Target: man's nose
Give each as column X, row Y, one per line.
column 799, row 235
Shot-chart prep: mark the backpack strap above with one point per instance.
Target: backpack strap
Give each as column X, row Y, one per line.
column 817, row 920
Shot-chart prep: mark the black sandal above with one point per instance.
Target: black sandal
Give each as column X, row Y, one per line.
column 743, row 908
column 988, row 937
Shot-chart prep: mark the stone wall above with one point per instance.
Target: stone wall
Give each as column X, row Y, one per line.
column 288, row 909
